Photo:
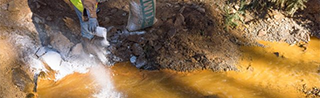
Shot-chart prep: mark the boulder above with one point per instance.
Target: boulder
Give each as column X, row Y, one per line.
column 61, row 43
column 77, row 49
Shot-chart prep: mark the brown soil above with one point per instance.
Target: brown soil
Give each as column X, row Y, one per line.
column 14, row 82
column 15, row 78
column 187, row 36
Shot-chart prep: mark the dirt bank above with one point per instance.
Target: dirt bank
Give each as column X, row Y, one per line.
column 14, row 82
column 187, row 36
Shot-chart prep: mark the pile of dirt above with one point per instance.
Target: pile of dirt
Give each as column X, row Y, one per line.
column 277, row 27
column 186, row 37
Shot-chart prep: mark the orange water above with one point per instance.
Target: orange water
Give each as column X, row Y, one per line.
column 261, row 74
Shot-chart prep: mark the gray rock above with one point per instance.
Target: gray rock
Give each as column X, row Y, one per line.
column 37, row 19
column 182, row 9
column 41, row 51
column 137, row 49
column 141, row 61
column 133, row 59
column 62, row 44
column 179, row 21
column 38, row 5
column 77, row 49
column 202, row 10
column 124, row 14
column 107, row 19
column 172, row 33
column 113, row 10
column 48, row 18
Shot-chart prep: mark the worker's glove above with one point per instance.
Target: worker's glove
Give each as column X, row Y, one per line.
column 92, row 24
column 85, row 30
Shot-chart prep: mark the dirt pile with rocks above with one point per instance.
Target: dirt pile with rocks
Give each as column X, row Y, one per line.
column 186, row 37
column 277, row 27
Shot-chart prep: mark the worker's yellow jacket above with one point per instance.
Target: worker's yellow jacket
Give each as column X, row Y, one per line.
column 90, row 5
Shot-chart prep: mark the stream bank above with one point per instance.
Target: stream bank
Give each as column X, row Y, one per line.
column 189, row 36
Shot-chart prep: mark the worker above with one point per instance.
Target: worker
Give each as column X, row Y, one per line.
column 87, row 13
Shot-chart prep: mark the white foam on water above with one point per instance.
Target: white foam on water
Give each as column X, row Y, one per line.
column 81, row 64
column 37, row 65
column 103, row 77
column 53, row 59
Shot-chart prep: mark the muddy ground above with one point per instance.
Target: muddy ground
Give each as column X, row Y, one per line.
column 189, row 34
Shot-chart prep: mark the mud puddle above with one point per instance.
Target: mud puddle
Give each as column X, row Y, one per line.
column 277, row 70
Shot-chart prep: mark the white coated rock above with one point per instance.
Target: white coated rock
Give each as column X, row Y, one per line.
column 52, row 59
column 41, row 51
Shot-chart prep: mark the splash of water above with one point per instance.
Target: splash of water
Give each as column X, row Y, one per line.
column 103, row 77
